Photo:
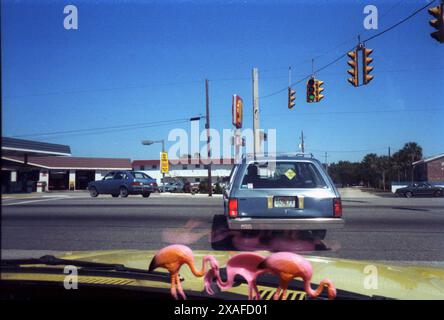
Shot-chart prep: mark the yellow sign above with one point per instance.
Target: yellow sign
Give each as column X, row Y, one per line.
column 290, row 174
column 164, row 165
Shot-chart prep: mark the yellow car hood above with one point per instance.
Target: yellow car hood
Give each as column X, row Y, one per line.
column 362, row 277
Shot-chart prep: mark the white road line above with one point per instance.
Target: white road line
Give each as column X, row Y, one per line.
column 31, row 201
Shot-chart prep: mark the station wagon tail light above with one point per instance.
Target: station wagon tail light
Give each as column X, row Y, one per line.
column 337, row 208
column 232, row 207
column 136, row 183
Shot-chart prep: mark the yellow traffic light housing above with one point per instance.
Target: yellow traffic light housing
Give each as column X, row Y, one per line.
column 291, row 98
column 437, row 23
column 311, row 90
column 318, row 90
column 366, row 69
column 354, row 80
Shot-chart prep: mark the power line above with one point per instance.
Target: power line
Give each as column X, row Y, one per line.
column 344, row 112
column 345, row 54
column 400, row 22
column 105, row 129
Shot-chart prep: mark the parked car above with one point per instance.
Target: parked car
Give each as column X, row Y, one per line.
column 420, row 189
column 283, row 193
column 123, row 183
column 176, row 186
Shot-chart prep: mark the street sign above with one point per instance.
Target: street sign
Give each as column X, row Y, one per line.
column 237, row 111
column 164, row 166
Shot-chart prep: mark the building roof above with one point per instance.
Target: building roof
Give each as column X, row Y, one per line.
column 184, row 161
column 76, row 163
column 425, row 160
column 20, row 147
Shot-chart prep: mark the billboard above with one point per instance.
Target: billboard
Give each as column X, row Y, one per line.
column 237, row 111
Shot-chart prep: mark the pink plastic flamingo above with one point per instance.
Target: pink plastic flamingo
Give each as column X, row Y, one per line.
column 172, row 258
column 289, row 265
column 243, row 264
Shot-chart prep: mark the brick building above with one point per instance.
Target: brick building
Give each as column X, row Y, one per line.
column 430, row 169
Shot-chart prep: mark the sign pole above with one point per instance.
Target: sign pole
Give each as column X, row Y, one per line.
column 207, row 126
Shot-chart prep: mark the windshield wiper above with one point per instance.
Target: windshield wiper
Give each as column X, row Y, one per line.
column 86, row 267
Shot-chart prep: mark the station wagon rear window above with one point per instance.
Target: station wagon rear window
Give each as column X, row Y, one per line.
column 282, row 175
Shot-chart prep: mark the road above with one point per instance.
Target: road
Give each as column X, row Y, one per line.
column 377, row 228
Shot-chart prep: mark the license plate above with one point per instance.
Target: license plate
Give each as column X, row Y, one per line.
column 284, row 202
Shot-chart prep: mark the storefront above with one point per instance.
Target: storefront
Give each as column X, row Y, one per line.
column 52, row 166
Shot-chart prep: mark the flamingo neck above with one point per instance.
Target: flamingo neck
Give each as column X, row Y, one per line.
column 197, row 273
column 223, row 285
column 313, row 293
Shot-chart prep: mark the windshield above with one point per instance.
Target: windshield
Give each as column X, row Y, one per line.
column 257, row 127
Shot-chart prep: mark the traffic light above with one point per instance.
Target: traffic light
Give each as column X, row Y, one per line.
column 311, row 90
column 366, row 69
column 354, row 80
column 318, row 90
column 437, row 23
column 291, row 98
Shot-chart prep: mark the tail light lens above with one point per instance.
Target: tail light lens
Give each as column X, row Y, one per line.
column 136, row 183
column 337, row 208
column 232, row 208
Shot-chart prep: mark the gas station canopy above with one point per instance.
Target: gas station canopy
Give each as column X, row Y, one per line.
column 25, row 148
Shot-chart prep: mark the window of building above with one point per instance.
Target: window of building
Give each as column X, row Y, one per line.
column 206, row 167
column 197, row 166
column 197, row 179
column 184, row 167
column 154, row 166
column 142, row 167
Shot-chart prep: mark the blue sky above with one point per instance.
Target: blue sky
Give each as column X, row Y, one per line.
column 136, row 62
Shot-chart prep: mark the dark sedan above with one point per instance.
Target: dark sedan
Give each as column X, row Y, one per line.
column 420, row 189
column 123, row 183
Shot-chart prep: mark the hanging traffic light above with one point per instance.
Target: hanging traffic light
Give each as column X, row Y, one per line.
column 354, row 80
column 437, row 23
column 291, row 98
column 318, row 90
column 366, row 69
column 311, row 90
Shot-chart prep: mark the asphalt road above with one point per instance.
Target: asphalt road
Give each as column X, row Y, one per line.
column 387, row 229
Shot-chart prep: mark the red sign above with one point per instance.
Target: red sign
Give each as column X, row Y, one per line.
column 237, row 111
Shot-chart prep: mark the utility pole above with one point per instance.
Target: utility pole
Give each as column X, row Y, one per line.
column 207, row 126
column 326, row 163
column 302, row 142
column 256, row 128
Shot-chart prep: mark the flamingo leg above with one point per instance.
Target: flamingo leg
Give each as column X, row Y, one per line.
column 277, row 294
column 179, row 288
column 256, row 290
column 284, row 293
column 173, row 286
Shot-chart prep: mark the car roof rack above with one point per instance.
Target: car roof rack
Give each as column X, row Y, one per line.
column 278, row 154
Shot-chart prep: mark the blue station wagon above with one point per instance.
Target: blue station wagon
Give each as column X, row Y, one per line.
column 282, row 193
column 123, row 183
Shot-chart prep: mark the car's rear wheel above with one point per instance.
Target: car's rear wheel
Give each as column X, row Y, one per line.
column 123, row 192
column 438, row 193
column 146, row 194
column 408, row 194
column 93, row 192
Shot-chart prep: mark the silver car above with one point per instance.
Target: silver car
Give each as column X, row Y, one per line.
column 282, row 193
